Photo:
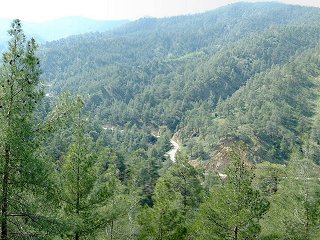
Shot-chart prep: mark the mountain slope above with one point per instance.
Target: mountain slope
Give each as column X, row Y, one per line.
column 148, row 39
column 188, row 74
column 273, row 112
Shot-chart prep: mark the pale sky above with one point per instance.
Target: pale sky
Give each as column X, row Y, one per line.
column 42, row 10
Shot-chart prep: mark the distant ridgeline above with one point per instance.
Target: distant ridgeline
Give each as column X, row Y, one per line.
column 60, row 28
column 245, row 72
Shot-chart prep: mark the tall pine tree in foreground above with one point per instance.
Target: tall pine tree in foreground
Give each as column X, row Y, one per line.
column 23, row 175
column 177, row 196
column 89, row 186
column 234, row 208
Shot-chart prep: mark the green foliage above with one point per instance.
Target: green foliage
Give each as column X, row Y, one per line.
column 267, row 177
column 84, row 187
column 234, row 208
column 96, row 168
column 177, row 196
column 164, row 220
column 295, row 207
column 180, row 82
column 25, row 177
column 280, row 114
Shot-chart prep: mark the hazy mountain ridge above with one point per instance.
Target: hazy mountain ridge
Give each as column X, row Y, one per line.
column 173, row 72
column 62, row 28
column 174, row 36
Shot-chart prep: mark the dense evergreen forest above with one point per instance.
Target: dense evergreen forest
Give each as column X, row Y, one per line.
column 86, row 124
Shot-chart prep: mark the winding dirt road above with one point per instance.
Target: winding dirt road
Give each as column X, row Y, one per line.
column 172, row 153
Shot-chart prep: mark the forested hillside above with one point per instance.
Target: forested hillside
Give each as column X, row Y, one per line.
column 86, row 124
column 173, row 72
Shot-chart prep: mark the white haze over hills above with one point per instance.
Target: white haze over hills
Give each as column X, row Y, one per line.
column 49, row 20
column 44, row 10
column 61, row 28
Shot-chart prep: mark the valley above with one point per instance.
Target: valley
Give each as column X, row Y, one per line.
column 202, row 126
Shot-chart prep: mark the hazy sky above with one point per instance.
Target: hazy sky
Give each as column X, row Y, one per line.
column 40, row 10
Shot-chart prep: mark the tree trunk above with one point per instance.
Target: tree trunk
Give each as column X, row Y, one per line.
column 185, row 193
column 111, row 231
column 77, row 236
column 4, row 204
column 236, row 233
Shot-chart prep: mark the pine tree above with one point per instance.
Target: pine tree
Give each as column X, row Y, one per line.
column 234, row 208
column 178, row 194
column 89, row 185
column 184, row 179
column 77, row 178
column 23, row 175
column 165, row 219
column 294, row 211
column 148, row 176
column 119, row 211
